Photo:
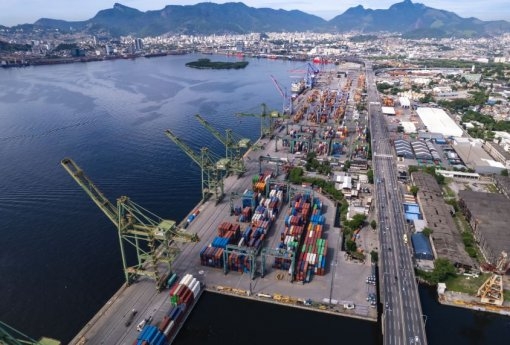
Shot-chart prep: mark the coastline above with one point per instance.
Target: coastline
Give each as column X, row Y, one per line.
column 11, row 62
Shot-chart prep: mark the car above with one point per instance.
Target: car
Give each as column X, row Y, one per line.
column 141, row 325
column 349, row 306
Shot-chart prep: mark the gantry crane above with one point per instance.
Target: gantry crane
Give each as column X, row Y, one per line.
column 267, row 120
column 286, row 96
column 311, row 75
column 155, row 239
column 11, row 336
column 234, row 146
column 212, row 170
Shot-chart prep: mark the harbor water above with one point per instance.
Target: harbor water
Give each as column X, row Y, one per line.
column 59, row 258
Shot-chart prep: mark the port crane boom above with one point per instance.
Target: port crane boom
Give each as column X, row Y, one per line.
column 233, row 146
column 212, row 171
column 266, row 120
column 11, row 336
column 287, row 98
column 154, row 238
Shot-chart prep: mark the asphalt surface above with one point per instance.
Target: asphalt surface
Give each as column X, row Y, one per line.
column 402, row 315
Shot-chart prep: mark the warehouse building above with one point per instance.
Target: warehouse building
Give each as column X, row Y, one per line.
column 403, row 149
column 421, row 151
column 437, row 121
column 422, row 248
column 488, row 216
column 446, row 240
column 475, row 157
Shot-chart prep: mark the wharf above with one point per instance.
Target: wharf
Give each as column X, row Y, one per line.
column 466, row 301
column 341, row 291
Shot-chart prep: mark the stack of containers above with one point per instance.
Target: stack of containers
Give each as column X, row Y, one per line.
column 245, row 214
column 239, row 262
column 313, row 251
column 292, row 236
column 212, row 255
column 227, row 230
column 182, row 297
column 249, row 199
column 259, row 181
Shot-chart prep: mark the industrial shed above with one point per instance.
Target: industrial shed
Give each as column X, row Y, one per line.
column 422, row 248
column 403, row 149
column 408, row 126
column 404, row 102
column 446, row 239
column 488, row 215
column 388, row 110
column 421, row 151
column 438, row 121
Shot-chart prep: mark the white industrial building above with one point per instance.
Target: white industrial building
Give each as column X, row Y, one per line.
column 404, row 102
column 408, row 126
column 388, row 110
column 438, row 121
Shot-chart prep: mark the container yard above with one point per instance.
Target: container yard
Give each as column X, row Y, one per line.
column 266, row 239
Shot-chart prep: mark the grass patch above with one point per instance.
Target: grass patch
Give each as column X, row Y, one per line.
column 506, row 295
column 448, row 192
column 465, row 284
column 492, row 188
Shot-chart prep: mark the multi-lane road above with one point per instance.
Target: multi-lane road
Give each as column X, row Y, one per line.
column 402, row 315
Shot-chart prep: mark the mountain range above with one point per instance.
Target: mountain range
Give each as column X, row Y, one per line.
column 408, row 18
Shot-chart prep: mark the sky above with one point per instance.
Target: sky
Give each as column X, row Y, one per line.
column 13, row 12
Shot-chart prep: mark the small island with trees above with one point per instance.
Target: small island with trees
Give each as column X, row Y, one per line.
column 208, row 64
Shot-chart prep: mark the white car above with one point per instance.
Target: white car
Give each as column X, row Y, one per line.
column 141, row 325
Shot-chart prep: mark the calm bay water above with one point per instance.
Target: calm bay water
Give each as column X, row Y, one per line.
column 59, row 257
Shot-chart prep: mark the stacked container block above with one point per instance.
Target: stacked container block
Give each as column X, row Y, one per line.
column 313, row 248
column 292, row 236
column 182, row 297
column 212, row 255
column 259, row 181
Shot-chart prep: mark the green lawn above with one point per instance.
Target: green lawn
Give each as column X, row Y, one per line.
column 466, row 284
column 492, row 188
column 448, row 192
column 506, row 295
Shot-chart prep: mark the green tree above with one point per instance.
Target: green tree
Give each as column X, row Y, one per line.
column 427, row 232
column 443, row 269
column 370, row 176
column 414, row 190
column 357, row 221
column 373, row 224
column 350, row 246
column 504, row 172
column 296, row 175
column 374, row 256
column 347, row 165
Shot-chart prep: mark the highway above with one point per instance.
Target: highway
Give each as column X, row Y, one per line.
column 402, row 319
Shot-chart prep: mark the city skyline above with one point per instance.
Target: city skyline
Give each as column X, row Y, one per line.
column 11, row 13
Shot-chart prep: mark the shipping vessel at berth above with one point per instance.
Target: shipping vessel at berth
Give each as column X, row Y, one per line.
column 297, row 88
column 183, row 297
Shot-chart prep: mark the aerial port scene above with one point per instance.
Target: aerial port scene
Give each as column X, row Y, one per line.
column 206, row 184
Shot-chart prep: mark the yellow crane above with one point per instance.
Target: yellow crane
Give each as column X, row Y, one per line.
column 155, row 239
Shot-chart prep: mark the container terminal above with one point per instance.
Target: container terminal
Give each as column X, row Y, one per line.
column 254, row 234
